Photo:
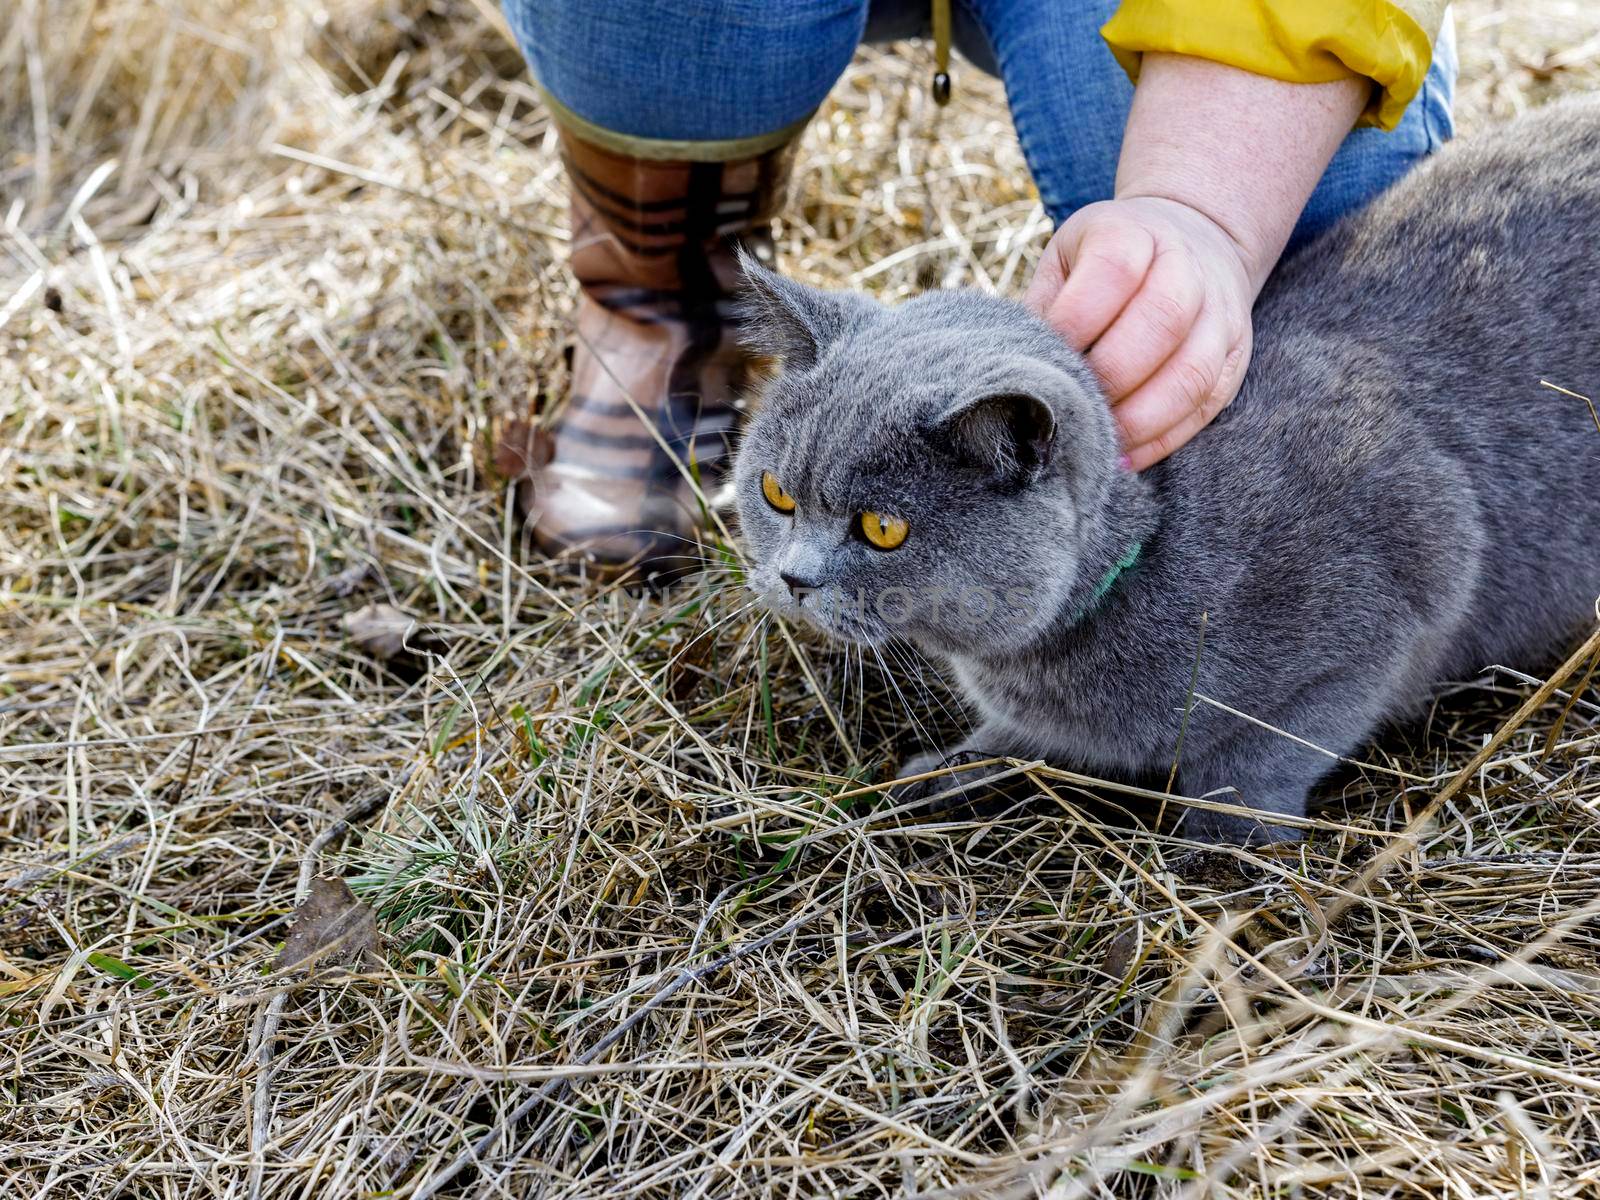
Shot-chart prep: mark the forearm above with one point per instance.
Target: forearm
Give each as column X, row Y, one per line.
column 1244, row 150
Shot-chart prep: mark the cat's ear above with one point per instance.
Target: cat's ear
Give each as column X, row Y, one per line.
column 1010, row 434
column 790, row 321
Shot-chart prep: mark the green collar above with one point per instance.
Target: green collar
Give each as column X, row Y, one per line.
column 1110, row 578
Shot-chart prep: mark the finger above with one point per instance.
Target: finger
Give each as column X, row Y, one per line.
column 1187, row 391
column 1168, row 441
column 1104, row 272
column 1155, row 323
column 1048, row 276
column 1159, row 447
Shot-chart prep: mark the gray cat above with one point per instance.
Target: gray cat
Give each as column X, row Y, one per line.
column 1392, row 501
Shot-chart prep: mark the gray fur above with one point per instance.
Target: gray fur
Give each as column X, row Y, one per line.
column 1392, row 501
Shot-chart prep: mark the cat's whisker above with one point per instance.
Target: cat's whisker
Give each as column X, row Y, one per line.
column 906, row 654
column 665, row 535
column 844, row 687
column 754, row 636
column 706, row 556
column 861, row 706
column 895, row 656
column 861, row 688
column 714, row 626
column 911, row 715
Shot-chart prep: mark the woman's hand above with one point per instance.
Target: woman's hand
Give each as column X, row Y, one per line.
column 1157, row 296
column 1156, row 285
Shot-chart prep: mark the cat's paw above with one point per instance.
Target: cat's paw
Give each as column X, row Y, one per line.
column 1231, row 829
column 928, row 760
column 955, row 785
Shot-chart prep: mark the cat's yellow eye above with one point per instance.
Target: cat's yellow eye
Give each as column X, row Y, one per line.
column 776, row 496
column 883, row 531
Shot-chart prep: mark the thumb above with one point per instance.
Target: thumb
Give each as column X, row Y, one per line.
column 1050, row 276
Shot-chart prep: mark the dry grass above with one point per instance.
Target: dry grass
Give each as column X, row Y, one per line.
column 268, row 276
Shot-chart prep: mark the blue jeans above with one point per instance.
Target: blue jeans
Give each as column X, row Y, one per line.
column 724, row 69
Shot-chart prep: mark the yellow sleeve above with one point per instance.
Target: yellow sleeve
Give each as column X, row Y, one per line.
column 1300, row 41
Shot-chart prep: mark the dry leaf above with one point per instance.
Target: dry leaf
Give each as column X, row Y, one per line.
column 522, row 449
column 380, row 630
column 687, row 668
column 1120, row 953
column 330, row 926
column 25, row 923
column 348, row 580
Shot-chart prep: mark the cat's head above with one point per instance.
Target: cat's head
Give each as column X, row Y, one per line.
column 925, row 471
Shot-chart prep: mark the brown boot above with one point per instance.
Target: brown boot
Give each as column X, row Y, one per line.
column 656, row 373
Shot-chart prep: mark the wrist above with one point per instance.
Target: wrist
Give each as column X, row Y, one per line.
column 1254, row 255
column 1242, row 150
column 1207, row 234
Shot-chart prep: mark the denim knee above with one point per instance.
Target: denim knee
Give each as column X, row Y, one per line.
column 1069, row 99
column 714, row 70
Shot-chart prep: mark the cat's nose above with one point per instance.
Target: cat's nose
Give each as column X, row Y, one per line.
column 797, row 583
